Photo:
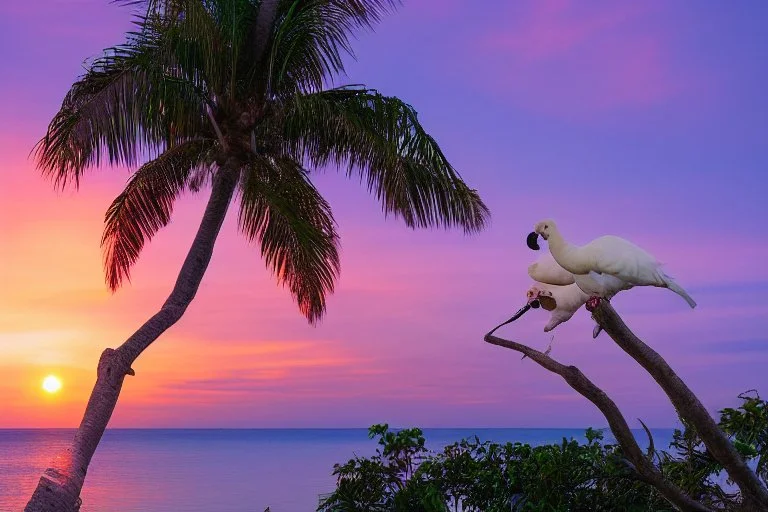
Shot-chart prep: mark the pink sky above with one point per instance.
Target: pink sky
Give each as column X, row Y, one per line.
column 646, row 122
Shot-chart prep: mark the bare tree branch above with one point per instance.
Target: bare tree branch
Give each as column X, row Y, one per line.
column 687, row 404
column 644, row 468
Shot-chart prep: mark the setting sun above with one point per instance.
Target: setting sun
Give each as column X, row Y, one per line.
column 51, row 384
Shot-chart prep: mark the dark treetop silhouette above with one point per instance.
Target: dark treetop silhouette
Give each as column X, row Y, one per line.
column 232, row 94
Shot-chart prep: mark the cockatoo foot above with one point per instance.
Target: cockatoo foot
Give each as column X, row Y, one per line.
column 592, row 303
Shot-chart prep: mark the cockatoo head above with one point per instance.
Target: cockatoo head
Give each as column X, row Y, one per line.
column 544, row 228
column 544, row 297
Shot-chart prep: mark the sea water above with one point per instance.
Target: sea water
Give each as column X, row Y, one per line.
column 192, row 470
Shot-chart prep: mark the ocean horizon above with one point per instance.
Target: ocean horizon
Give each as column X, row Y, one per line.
column 224, row 469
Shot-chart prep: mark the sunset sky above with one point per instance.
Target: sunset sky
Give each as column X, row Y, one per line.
column 647, row 120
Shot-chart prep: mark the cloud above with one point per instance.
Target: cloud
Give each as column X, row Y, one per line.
column 738, row 346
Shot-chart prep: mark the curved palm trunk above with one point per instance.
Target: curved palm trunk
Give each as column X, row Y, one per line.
column 59, row 487
column 687, row 404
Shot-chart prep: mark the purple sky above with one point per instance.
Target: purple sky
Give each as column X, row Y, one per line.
column 643, row 119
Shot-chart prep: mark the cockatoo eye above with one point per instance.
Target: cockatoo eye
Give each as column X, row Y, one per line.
column 546, row 226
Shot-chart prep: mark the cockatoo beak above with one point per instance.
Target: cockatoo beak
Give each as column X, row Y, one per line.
column 532, row 304
column 533, row 241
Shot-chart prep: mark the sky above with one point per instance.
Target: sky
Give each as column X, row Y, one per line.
column 646, row 120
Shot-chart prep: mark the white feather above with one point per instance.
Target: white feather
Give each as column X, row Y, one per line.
column 600, row 285
column 567, row 300
column 546, row 270
column 557, row 282
column 609, row 256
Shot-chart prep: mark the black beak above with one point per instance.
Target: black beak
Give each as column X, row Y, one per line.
column 533, row 304
column 533, row 241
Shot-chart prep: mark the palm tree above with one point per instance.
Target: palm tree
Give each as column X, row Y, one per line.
column 235, row 94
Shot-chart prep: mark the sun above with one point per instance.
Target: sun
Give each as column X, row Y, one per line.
column 51, row 384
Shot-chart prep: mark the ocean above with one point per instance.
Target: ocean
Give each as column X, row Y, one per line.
column 194, row 470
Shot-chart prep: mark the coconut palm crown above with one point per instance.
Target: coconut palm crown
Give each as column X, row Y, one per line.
column 207, row 88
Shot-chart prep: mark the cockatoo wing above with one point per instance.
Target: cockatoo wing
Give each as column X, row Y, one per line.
column 624, row 260
column 546, row 270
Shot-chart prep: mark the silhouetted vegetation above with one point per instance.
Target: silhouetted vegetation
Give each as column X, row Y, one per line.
column 474, row 475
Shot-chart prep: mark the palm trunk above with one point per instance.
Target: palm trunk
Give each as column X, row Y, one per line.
column 688, row 406
column 59, row 487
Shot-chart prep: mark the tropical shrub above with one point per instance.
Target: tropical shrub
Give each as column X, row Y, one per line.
column 471, row 475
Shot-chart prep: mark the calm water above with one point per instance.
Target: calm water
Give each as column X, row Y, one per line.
column 217, row 470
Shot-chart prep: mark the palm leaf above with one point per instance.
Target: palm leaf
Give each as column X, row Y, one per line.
column 133, row 102
column 204, row 40
column 310, row 37
column 146, row 203
column 214, row 34
column 380, row 138
column 282, row 211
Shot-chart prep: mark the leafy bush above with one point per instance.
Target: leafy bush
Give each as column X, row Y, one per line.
column 472, row 475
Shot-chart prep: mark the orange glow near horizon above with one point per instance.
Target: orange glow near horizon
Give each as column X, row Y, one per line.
column 656, row 138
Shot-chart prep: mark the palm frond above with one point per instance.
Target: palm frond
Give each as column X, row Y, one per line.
column 211, row 33
column 160, row 8
column 146, row 203
column 131, row 104
column 282, row 211
column 381, row 139
column 310, row 37
column 204, row 39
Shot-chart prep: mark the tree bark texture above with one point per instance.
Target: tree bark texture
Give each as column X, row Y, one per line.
column 263, row 28
column 59, row 488
column 644, row 468
column 688, row 406
column 264, row 22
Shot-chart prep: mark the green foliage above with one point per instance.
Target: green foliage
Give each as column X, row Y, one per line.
column 205, row 85
column 747, row 427
column 693, row 468
column 472, row 475
column 385, row 482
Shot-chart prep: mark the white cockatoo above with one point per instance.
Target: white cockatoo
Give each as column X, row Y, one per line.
column 546, row 271
column 602, row 260
column 561, row 301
